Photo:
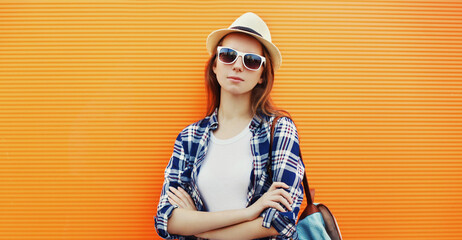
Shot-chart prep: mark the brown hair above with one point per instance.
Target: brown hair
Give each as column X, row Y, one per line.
column 260, row 100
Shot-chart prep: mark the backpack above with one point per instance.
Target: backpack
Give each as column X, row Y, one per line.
column 316, row 221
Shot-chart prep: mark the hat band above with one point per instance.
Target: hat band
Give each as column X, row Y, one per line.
column 247, row 30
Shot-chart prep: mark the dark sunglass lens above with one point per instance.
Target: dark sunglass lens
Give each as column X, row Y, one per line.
column 227, row 55
column 252, row 61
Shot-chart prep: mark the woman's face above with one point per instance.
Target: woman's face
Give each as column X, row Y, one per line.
column 235, row 78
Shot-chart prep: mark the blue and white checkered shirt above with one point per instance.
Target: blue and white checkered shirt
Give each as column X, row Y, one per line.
column 189, row 152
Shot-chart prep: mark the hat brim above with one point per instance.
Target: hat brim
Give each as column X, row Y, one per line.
column 215, row 36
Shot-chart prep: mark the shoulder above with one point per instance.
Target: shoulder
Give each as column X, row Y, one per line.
column 196, row 129
column 283, row 122
column 285, row 129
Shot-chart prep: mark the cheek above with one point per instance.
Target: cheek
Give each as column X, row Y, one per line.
column 223, row 70
column 220, row 73
column 218, row 69
column 259, row 76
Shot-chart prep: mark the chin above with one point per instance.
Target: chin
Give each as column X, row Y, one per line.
column 237, row 93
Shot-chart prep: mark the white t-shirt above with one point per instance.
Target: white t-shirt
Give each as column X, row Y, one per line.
column 224, row 176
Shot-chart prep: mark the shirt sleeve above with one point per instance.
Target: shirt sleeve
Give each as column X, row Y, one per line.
column 287, row 167
column 172, row 177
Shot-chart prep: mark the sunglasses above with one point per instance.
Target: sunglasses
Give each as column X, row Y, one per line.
column 251, row 61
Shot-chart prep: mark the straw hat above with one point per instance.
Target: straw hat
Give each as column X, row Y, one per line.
column 251, row 24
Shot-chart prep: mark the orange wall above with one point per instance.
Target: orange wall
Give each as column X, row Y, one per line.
column 93, row 94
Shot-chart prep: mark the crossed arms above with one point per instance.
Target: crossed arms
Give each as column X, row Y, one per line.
column 184, row 220
column 231, row 224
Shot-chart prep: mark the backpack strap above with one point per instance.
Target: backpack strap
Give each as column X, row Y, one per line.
column 306, row 187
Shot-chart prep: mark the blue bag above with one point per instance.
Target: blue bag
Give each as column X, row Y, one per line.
column 319, row 225
column 316, row 221
column 312, row 227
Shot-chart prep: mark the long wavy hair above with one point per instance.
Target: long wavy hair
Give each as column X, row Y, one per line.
column 260, row 100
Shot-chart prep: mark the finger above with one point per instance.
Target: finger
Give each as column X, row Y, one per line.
column 281, row 200
column 175, row 191
column 188, row 198
column 184, row 196
column 171, row 201
column 187, row 202
column 284, row 202
column 276, row 185
column 286, row 195
column 281, row 185
column 178, row 194
column 277, row 206
column 176, row 198
column 173, row 197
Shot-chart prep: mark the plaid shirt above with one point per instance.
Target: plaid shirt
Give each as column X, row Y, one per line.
column 189, row 152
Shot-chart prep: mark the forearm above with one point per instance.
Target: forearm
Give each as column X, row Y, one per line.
column 187, row 222
column 246, row 230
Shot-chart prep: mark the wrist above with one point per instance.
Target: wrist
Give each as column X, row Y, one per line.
column 252, row 212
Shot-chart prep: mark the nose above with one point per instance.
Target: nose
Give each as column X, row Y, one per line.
column 237, row 66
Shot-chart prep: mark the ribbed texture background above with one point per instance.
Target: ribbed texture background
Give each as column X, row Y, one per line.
column 93, row 94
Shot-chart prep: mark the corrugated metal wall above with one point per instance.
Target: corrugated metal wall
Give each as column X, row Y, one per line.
column 93, row 94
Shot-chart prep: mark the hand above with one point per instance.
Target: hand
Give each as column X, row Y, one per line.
column 181, row 198
column 272, row 199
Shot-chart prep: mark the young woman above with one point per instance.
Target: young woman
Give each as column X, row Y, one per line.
column 216, row 183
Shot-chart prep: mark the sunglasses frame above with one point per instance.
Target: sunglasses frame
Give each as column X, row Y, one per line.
column 242, row 54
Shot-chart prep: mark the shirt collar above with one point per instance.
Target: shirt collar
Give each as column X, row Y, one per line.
column 214, row 119
column 256, row 121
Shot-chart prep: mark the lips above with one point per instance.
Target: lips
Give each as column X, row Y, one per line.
column 236, row 78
